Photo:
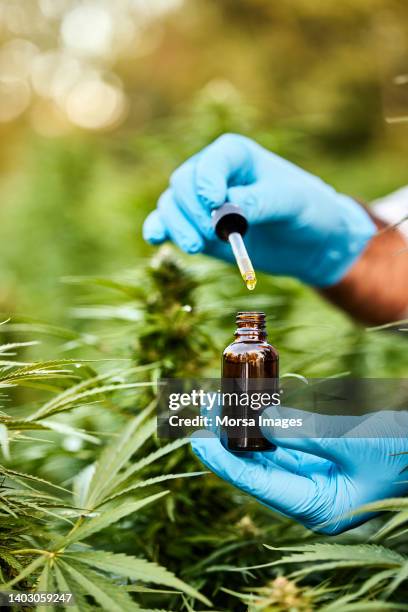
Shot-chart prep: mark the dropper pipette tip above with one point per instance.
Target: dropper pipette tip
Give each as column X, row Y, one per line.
column 243, row 261
column 250, row 280
column 230, row 225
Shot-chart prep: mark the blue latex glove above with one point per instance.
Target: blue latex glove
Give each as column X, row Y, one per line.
column 299, row 225
column 319, row 481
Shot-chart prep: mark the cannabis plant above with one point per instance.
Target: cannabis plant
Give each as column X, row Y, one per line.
column 172, row 317
column 178, row 318
column 50, row 531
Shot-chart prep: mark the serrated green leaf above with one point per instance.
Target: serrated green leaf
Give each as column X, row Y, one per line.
column 63, row 586
column 15, row 475
column 153, row 481
column 393, row 504
column 28, row 570
column 396, row 521
column 367, row 554
column 67, row 402
column 48, row 512
column 110, row 597
column 106, row 518
column 10, row 560
column 401, row 576
column 4, row 348
column 135, row 569
column 28, row 494
column 368, row 586
column 36, row 372
column 145, row 461
column 43, row 585
column 63, row 428
column 325, row 567
column 69, row 395
column 117, row 454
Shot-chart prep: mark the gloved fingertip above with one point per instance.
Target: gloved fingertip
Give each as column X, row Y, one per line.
column 210, row 198
column 155, row 240
column 196, row 246
column 203, row 442
column 154, row 230
column 211, row 186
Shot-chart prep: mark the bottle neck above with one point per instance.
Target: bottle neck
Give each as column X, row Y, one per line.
column 250, row 326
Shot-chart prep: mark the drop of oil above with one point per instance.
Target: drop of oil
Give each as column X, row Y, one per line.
column 250, row 280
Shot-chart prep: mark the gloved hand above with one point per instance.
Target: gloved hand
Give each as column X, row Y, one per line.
column 319, row 481
column 299, row 226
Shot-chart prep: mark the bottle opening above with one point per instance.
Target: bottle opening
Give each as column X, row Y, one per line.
column 251, row 319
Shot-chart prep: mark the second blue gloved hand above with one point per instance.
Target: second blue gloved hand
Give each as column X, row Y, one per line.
column 319, row 481
column 299, row 225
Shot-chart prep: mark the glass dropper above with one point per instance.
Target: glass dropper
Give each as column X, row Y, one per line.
column 231, row 225
column 242, row 258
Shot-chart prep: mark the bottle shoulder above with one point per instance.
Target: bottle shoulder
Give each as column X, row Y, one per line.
column 251, row 347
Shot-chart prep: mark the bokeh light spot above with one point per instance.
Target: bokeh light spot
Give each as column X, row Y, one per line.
column 88, row 29
column 94, row 104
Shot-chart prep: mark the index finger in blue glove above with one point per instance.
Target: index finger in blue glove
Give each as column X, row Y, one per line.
column 261, row 202
column 178, row 227
column 293, row 461
column 154, row 229
column 282, row 457
column 182, row 183
column 225, row 162
column 276, row 487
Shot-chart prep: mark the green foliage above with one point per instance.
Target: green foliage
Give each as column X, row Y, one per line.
column 46, row 527
column 157, row 309
column 75, row 455
column 83, row 531
column 345, row 577
column 218, row 541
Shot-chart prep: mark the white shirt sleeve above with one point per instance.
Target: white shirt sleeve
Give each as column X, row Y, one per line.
column 393, row 208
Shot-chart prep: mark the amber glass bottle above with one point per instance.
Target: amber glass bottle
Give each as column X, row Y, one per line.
column 249, row 365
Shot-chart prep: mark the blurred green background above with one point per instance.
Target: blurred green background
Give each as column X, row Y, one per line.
column 100, row 101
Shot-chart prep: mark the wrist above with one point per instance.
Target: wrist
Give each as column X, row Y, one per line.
column 374, row 289
column 353, row 230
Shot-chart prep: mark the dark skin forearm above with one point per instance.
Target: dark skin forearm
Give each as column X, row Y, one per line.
column 375, row 289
